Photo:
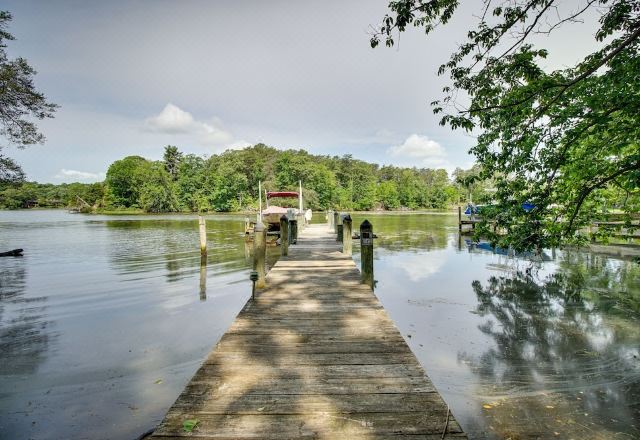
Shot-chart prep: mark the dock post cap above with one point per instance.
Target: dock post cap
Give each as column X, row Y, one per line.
column 365, row 224
column 284, row 217
column 347, row 218
column 259, row 227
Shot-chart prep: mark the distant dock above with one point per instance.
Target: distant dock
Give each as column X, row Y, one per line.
column 315, row 355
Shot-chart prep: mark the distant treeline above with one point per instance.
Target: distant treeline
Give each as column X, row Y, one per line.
column 229, row 182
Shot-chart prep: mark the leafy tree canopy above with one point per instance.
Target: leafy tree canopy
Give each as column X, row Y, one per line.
column 554, row 138
column 20, row 102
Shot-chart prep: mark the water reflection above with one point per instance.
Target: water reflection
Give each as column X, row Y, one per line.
column 408, row 232
column 25, row 334
column 203, row 279
column 565, row 358
column 142, row 245
column 89, row 318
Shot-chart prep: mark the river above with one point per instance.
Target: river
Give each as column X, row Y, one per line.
column 106, row 318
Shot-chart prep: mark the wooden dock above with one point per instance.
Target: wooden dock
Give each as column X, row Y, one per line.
column 314, row 356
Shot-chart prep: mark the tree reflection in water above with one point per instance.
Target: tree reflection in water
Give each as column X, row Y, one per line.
column 24, row 329
column 566, row 360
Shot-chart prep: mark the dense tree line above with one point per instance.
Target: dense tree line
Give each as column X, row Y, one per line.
column 48, row 195
column 229, row 182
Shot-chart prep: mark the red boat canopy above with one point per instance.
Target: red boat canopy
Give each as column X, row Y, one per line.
column 271, row 194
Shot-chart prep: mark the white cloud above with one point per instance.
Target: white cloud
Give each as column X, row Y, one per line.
column 174, row 120
column 419, row 267
column 239, row 145
column 427, row 151
column 420, row 147
column 70, row 175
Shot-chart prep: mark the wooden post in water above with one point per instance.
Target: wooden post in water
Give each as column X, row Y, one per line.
column 259, row 253
column 336, row 214
column 339, row 228
column 366, row 252
column 293, row 226
column 203, row 237
column 330, row 218
column 347, row 232
column 284, row 235
column 459, row 218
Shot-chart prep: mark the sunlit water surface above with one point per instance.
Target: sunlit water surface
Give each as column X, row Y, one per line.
column 105, row 319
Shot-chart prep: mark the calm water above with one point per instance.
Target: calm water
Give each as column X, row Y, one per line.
column 105, row 319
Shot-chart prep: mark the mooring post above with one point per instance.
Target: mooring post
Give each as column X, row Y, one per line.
column 340, row 228
column 203, row 237
column 330, row 218
column 259, row 253
column 347, row 244
column 336, row 214
column 284, row 235
column 366, row 252
column 293, row 227
column 459, row 218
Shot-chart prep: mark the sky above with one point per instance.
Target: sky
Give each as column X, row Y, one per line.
column 134, row 76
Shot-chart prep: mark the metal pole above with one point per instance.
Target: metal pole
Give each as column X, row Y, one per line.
column 300, row 198
column 259, row 220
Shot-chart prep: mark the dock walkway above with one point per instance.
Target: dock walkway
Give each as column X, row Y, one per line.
column 314, row 356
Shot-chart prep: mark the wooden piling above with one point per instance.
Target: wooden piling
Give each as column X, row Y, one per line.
column 330, row 219
column 347, row 232
column 459, row 218
column 293, row 226
column 259, row 253
column 284, row 235
column 336, row 214
column 339, row 229
column 366, row 252
column 202, row 226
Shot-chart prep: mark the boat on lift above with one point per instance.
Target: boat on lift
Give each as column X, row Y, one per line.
column 270, row 216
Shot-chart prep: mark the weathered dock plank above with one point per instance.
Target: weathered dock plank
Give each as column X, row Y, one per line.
column 315, row 355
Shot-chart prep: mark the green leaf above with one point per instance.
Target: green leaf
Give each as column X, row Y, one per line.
column 190, row 424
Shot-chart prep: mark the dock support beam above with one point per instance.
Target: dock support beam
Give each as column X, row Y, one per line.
column 284, row 235
column 259, row 253
column 366, row 252
column 330, row 219
column 347, row 244
column 336, row 214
